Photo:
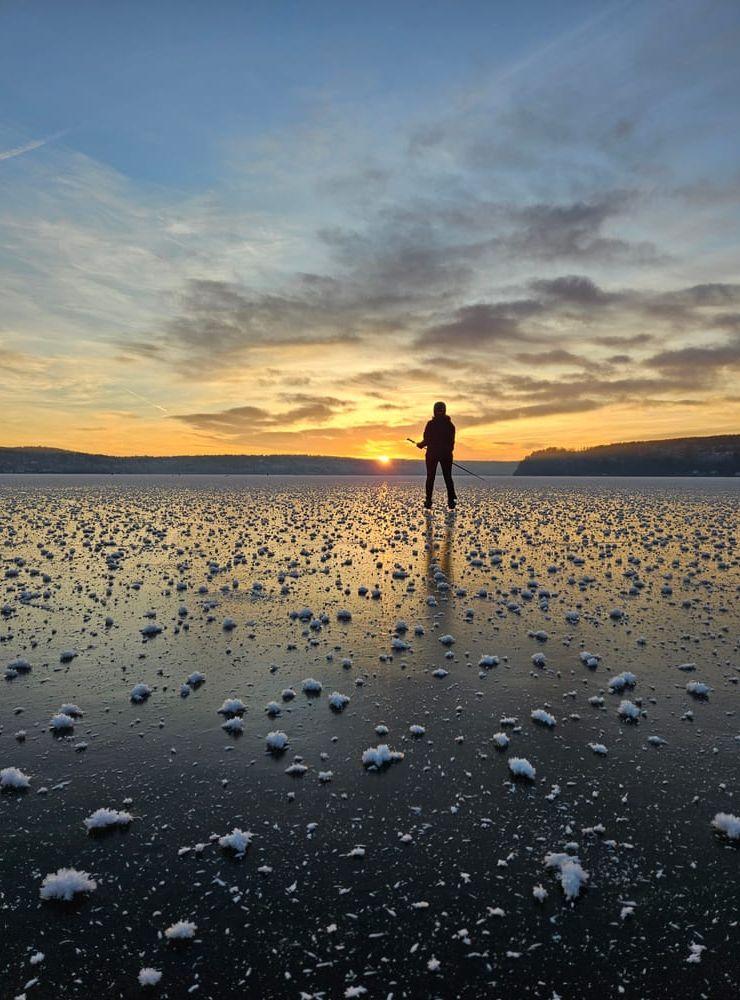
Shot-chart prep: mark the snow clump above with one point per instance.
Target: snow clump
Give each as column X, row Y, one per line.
column 237, row 841
column 65, row 884
column 13, row 777
column 727, row 824
column 276, row 741
column 540, row 715
column 104, row 819
column 380, row 756
column 182, row 930
column 521, row 768
column 698, row 689
column 149, row 977
column 232, row 706
column 61, row 722
column 572, row 875
column 624, row 680
column 140, row 692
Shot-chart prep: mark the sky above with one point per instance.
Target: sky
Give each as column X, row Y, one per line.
column 289, row 227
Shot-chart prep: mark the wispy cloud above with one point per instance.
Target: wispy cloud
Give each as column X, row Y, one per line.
column 137, row 395
column 28, row 147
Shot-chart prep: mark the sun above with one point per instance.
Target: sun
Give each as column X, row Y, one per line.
column 384, row 459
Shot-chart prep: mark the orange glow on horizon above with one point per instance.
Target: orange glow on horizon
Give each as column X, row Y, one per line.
column 364, row 435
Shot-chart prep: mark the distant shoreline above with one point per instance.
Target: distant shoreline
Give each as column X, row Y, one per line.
column 716, row 456
column 54, row 460
column 418, row 477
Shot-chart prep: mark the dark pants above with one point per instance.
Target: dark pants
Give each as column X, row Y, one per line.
column 446, row 462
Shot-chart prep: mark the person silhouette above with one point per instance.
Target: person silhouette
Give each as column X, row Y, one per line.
column 439, row 441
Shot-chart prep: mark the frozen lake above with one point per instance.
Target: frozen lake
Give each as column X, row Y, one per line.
column 418, row 879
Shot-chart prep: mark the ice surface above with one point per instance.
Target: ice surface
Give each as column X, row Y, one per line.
column 394, row 843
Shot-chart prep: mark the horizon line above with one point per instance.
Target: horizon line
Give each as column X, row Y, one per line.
column 353, row 458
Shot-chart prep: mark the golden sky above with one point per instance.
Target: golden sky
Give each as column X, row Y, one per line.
column 281, row 245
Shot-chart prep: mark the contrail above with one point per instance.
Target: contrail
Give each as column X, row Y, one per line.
column 504, row 74
column 9, row 154
column 145, row 400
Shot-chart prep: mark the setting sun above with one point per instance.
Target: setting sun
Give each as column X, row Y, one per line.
column 384, row 459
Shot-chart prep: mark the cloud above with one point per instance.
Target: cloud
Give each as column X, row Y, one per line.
column 221, row 320
column 28, row 147
column 559, row 356
column 407, row 263
column 574, row 289
column 389, row 378
column 629, row 340
column 481, row 324
column 575, row 232
column 232, row 421
column 243, row 420
column 17, row 362
column 502, row 414
column 697, row 364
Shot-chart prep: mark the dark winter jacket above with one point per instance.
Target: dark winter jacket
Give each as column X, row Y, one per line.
column 439, row 436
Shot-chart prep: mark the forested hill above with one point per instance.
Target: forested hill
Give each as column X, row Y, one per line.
column 55, row 460
column 696, row 456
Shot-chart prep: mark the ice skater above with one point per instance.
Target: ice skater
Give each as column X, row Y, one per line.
column 439, row 441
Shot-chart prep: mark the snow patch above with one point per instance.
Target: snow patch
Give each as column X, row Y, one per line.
column 572, row 875
column 276, row 741
column 628, row 710
column 727, row 824
column 232, row 706
column 624, row 680
column 237, row 841
column 380, row 756
column 149, row 976
column 140, row 692
column 182, row 930
column 65, row 883
column 521, row 768
column 13, row 777
column 104, row 819
column 543, row 717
